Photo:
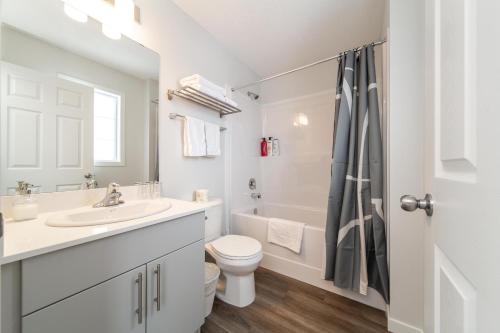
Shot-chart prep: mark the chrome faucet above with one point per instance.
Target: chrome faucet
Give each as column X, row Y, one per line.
column 112, row 197
column 90, row 183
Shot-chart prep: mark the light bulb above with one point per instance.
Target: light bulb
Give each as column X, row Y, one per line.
column 111, row 32
column 301, row 120
column 75, row 14
column 126, row 10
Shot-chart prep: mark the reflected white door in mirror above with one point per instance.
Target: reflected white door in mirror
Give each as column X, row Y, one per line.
column 76, row 107
column 45, row 130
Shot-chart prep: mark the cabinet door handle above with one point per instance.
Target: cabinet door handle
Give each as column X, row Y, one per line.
column 139, row 296
column 157, row 272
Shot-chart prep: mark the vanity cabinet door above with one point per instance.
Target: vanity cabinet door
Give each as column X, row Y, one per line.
column 176, row 291
column 110, row 307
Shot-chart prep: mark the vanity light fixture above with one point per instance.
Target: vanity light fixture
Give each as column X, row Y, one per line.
column 127, row 9
column 114, row 15
column 75, row 14
column 110, row 32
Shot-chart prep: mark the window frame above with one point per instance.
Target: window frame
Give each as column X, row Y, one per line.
column 120, row 131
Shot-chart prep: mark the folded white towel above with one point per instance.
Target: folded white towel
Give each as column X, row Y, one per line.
column 285, row 233
column 194, row 77
column 212, row 134
column 194, row 137
column 199, row 80
column 208, row 91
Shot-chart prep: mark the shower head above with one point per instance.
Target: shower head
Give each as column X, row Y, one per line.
column 252, row 95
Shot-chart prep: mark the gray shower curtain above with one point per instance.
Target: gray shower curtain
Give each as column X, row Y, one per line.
column 356, row 249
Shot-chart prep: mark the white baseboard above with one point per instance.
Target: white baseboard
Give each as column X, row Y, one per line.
column 312, row 275
column 396, row 326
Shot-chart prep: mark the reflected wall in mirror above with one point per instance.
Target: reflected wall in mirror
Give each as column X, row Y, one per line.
column 78, row 110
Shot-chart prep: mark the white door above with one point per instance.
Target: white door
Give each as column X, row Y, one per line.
column 462, row 118
column 46, row 130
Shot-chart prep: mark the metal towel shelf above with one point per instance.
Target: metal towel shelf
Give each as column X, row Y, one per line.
column 201, row 98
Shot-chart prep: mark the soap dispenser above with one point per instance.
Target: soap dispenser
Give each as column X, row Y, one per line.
column 25, row 206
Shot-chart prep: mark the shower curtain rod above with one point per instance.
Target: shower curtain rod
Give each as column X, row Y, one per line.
column 300, row 68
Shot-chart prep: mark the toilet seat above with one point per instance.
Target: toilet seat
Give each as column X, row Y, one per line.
column 236, row 247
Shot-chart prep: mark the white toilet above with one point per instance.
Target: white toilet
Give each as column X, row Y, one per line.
column 236, row 256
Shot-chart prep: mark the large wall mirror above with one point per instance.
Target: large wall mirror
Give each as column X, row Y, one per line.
column 78, row 109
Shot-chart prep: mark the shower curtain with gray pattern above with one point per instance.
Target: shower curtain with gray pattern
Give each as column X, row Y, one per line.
column 356, row 249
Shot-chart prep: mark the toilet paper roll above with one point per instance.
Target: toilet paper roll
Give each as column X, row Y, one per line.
column 201, row 195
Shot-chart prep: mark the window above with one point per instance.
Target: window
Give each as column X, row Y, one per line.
column 107, row 128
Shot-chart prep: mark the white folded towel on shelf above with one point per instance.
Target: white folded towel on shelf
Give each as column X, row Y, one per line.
column 208, row 91
column 194, row 137
column 197, row 79
column 212, row 134
column 198, row 82
column 285, row 233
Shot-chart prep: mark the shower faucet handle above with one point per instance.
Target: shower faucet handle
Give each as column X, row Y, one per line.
column 256, row 196
column 252, row 184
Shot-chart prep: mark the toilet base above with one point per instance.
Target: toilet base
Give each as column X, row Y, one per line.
column 237, row 290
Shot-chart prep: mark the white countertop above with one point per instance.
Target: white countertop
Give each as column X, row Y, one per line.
column 32, row 238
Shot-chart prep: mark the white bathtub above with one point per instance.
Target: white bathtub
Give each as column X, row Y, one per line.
column 306, row 266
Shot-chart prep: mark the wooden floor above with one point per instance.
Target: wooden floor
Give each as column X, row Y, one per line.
column 283, row 304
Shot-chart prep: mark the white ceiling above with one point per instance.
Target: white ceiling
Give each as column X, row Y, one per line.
column 45, row 19
column 271, row 36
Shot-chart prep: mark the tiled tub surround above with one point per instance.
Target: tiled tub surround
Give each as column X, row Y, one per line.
column 300, row 175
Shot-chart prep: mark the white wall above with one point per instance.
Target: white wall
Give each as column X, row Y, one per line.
column 24, row 50
column 406, row 87
column 302, row 83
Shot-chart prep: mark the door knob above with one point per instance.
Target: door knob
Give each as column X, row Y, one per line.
column 410, row 203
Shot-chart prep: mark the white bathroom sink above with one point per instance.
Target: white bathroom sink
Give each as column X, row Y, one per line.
column 87, row 216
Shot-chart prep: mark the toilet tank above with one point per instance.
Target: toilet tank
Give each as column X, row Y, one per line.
column 213, row 219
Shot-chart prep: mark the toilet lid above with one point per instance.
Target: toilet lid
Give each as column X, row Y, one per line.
column 236, row 246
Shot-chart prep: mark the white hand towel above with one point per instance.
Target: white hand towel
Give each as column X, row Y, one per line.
column 194, row 137
column 212, row 134
column 285, row 233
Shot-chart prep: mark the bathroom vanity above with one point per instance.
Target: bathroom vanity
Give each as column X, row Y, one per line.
column 142, row 275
